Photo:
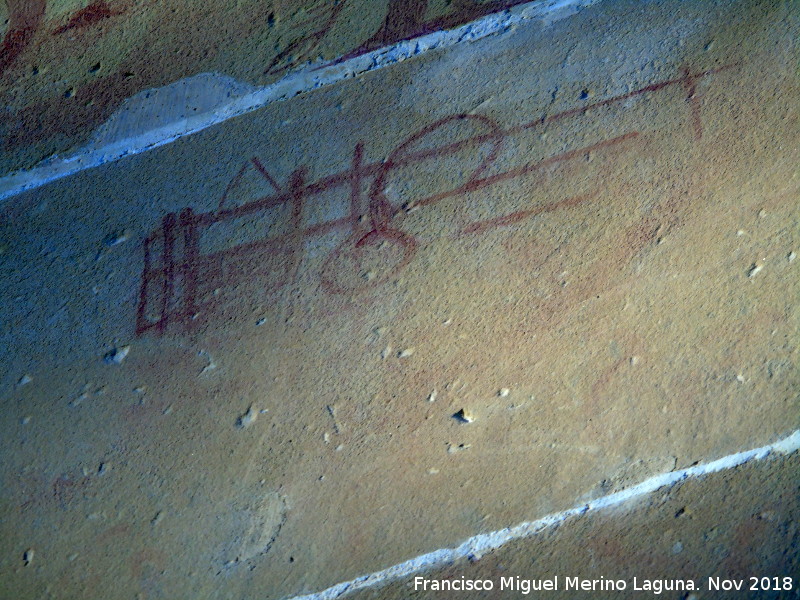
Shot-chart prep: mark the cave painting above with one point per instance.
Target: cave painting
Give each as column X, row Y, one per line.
column 193, row 256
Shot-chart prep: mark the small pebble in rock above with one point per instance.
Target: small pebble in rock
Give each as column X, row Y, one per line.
column 452, row 448
column 117, row 237
column 754, row 270
column 503, row 392
column 432, row 396
column 77, row 401
column 244, row 421
column 117, row 355
column 27, row 556
column 464, row 415
column 208, row 368
column 405, row 353
column 24, row 380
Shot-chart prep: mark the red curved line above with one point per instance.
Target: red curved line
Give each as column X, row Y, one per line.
column 381, row 208
column 25, row 18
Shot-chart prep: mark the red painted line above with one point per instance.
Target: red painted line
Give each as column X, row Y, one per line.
column 527, row 169
column 516, row 217
column 379, row 209
column 265, row 173
column 191, row 252
column 89, row 15
column 168, row 226
column 399, row 158
column 142, row 324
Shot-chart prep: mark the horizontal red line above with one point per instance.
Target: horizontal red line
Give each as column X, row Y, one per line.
column 371, row 169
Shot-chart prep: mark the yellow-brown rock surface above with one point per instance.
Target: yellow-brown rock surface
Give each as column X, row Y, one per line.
column 231, row 365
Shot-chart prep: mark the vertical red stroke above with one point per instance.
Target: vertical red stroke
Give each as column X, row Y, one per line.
column 141, row 310
column 191, row 256
column 297, row 190
column 356, row 178
column 362, row 241
column 689, row 81
column 168, row 229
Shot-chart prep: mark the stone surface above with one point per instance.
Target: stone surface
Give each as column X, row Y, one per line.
column 67, row 65
column 581, row 233
column 677, row 536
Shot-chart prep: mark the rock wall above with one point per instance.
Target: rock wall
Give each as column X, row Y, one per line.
column 494, row 282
